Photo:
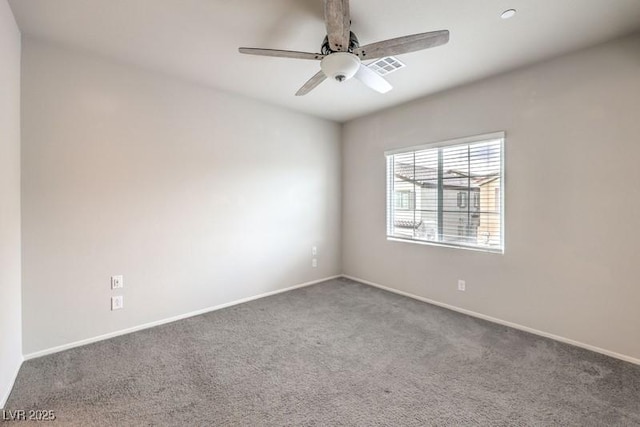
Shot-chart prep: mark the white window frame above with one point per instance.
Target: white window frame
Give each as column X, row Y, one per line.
column 458, row 141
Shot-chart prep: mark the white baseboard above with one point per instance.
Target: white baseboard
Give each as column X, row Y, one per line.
column 500, row 321
column 5, row 396
column 168, row 320
column 357, row 279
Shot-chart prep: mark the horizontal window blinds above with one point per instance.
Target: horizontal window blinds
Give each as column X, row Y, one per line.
column 448, row 193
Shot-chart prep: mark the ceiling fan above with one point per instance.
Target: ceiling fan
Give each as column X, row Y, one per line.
column 342, row 55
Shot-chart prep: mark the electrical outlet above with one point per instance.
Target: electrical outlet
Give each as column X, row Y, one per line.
column 314, row 251
column 117, row 282
column 462, row 286
column 117, row 303
column 314, row 263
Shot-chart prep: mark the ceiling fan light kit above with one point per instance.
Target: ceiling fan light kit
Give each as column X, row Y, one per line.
column 342, row 55
column 340, row 66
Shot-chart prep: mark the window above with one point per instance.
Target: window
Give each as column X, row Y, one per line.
column 448, row 193
column 404, row 200
column 462, row 199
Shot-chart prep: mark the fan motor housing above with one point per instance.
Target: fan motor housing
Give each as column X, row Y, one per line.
column 353, row 43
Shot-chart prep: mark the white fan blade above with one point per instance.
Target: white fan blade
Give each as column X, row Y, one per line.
column 402, row 45
column 372, row 79
column 338, row 22
column 312, row 83
column 280, row 53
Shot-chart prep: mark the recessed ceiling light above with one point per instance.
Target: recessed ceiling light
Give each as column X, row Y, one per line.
column 509, row 13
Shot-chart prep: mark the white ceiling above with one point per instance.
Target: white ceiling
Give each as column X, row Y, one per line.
column 198, row 40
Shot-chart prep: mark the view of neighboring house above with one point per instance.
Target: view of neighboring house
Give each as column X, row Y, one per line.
column 468, row 182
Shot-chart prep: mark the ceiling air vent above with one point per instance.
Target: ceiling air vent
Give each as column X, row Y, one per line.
column 386, row 65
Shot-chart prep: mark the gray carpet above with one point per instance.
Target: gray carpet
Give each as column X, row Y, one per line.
column 337, row 353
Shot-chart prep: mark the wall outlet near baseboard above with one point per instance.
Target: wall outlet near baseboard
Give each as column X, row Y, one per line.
column 117, row 302
column 462, row 285
column 117, row 282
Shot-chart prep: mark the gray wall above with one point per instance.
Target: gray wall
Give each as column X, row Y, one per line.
column 197, row 197
column 572, row 198
column 10, row 304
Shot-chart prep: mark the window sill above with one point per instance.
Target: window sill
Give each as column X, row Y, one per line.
column 498, row 251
